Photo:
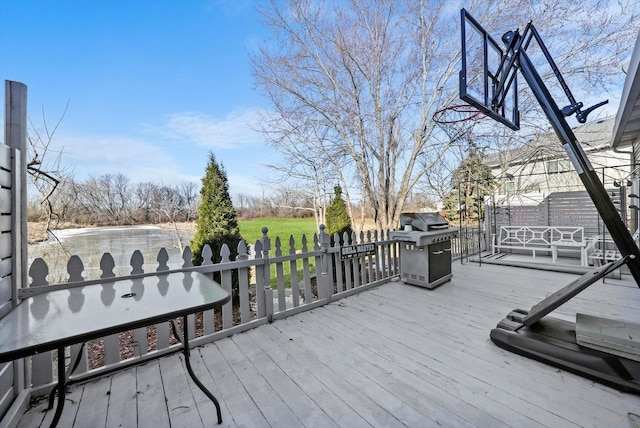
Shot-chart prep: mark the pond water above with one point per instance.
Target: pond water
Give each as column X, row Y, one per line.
column 91, row 243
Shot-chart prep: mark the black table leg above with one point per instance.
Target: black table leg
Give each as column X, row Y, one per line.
column 61, row 389
column 187, row 361
column 75, row 362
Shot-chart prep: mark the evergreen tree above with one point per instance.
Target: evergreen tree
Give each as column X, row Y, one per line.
column 337, row 216
column 216, row 223
column 470, row 183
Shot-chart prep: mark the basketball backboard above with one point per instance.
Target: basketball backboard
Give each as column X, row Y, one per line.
column 483, row 75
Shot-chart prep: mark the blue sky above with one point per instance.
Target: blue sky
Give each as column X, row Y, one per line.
column 152, row 85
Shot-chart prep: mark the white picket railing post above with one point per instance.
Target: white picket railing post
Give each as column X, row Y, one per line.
column 323, row 272
column 260, row 301
column 266, row 275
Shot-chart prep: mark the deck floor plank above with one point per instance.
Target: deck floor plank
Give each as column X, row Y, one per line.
column 306, row 380
column 67, row 419
column 552, row 380
column 596, row 395
column 240, row 406
column 332, row 379
column 93, row 407
column 122, row 410
column 464, row 367
column 268, row 401
column 180, row 401
column 305, row 409
column 380, row 388
column 151, row 402
column 336, row 342
column 33, row 416
column 205, row 406
column 421, row 380
column 393, row 356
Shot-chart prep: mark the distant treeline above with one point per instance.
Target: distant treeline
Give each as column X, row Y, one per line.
column 112, row 199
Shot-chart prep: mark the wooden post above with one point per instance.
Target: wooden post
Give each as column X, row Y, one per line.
column 15, row 134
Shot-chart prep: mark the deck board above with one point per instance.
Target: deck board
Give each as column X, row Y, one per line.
column 180, row 401
column 477, row 357
column 150, row 397
column 323, row 397
column 238, row 404
column 398, row 381
column 331, row 377
column 94, row 403
column 304, row 408
column 371, row 381
column 460, row 362
column 206, row 408
column 122, row 411
column 393, row 356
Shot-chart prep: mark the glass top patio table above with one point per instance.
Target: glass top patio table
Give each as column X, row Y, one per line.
column 67, row 316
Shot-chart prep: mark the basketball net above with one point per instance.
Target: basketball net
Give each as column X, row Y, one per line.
column 457, row 120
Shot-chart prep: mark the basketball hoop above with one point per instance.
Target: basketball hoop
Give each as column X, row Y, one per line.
column 457, row 120
column 455, row 114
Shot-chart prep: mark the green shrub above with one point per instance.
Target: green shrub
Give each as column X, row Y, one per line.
column 216, row 224
column 337, row 217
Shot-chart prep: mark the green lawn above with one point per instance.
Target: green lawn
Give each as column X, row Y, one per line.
column 251, row 230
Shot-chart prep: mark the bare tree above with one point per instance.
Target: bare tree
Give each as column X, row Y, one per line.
column 367, row 77
column 306, row 162
column 191, row 197
column 107, row 198
column 171, row 205
column 249, row 206
column 45, row 166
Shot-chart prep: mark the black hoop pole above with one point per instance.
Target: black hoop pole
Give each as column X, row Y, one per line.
column 607, row 210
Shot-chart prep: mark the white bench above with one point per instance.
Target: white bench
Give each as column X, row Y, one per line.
column 546, row 239
column 569, row 238
column 602, row 250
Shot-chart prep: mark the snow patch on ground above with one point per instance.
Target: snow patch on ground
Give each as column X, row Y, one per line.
column 62, row 234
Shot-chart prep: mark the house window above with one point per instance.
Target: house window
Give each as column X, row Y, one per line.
column 509, row 187
column 557, row 166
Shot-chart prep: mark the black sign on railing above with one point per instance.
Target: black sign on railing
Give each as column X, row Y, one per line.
column 352, row 251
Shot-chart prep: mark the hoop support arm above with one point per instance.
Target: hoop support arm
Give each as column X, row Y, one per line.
column 607, row 210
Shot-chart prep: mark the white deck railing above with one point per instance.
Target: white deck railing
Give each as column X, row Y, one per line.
column 306, row 275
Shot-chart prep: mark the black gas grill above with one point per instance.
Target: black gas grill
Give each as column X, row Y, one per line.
column 425, row 248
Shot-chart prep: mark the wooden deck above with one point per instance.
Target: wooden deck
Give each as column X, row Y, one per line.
column 397, row 355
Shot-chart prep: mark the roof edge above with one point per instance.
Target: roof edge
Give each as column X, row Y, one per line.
column 630, row 96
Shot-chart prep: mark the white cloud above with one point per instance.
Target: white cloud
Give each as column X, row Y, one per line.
column 237, row 128
column 109, row 149
column 174, row 153
column 240, row 183
column 136, row 158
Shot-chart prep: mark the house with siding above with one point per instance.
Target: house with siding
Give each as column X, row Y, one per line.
column 538, row 185
column 626, row 129
column 530, row 173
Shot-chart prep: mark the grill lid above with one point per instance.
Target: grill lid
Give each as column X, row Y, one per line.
column 423, row 221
